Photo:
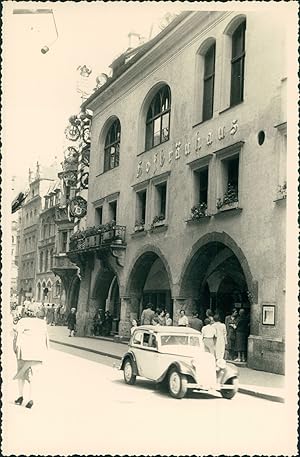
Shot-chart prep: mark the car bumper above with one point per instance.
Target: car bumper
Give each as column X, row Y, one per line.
column 217, row 387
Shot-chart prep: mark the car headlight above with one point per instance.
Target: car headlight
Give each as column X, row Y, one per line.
column 221, row 364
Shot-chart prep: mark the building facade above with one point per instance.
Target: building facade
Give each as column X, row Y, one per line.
column 14, row 265
column 36, row 237
column 187, row 187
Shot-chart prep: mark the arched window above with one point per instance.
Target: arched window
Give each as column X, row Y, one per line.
column 51, row 258
column 158, row 118
column 46, row 260
column 41, row 260
column 112, row 146
column 208, row 83
column 237, row 64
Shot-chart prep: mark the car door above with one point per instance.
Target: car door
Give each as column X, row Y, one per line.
column 150, row 356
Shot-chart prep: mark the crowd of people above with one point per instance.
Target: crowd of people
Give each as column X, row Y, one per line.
column 224, row 340
column 102, row 323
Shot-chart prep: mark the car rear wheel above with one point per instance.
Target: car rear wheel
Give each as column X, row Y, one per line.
column 230, row 393
column 177, row 384
column 129, row 377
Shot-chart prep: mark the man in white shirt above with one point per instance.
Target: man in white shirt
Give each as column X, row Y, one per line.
column 183, row 320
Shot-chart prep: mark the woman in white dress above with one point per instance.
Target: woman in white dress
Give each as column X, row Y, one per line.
column 30, row 345
column 221, row 337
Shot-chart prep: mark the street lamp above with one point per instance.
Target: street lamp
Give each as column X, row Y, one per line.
column 45, row 48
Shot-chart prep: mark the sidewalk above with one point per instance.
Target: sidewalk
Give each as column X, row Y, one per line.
column 251, row 382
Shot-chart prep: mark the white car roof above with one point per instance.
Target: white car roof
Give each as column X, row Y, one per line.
column 168, row 329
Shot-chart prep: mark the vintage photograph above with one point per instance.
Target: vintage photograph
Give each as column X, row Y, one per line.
column 149, row 203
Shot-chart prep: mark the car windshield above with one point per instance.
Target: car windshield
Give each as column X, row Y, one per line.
column 177, row 340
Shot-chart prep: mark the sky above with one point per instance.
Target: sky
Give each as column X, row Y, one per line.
column 40, row 89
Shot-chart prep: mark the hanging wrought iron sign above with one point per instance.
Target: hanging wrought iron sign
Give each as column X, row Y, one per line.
column 71, row 155
column 85, row 156
column 78, row 207
column 72, row 132
column 84, row 180
column 86, row 135
column 70, row 178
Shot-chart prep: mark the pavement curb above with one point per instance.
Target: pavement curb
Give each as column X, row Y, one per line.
column 262, row 395
column 242, row 390
column 81, row 348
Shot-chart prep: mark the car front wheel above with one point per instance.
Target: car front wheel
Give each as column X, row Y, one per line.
column 230, row 393
column 129, row 377
column 177, row 384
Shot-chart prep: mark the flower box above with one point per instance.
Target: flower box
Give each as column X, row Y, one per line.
column 159, row 223
column 229, row 206
column 108, row 235
column 139, row 228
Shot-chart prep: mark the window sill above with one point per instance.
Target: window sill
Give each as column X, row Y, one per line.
column 160, row 145
column 107, row 171
column 139, row 233
column 199, row 219
column 231, row 107
column 159, row 228
column 279, row 199
column 202, row 122
column 234, row 207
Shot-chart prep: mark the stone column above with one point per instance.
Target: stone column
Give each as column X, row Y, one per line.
column 129, row 311
column 83, row 318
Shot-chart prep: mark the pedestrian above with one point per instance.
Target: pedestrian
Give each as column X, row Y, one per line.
column 208, row 335
column 183, row 320
column 209, row 315
column 156, row 319
column 221, row 337
column 62, row 314
column 169, row 321
column 97, row 323
column 51, row 315
column 107, row 323
column 57, row 315
column 147, row 315
column 41, row 311
column 71, row 320
column 30, row 345
column 230, row 323
column 196, row 323
column 133, row 326
column 242, row 332
column 162, row 318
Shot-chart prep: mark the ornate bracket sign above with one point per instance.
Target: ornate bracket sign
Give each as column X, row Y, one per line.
column 78, row 207
column 84, row 180
column 72, row 132
column 86, row 135
column 85, row 156
column 71, row 154
column 70, row 178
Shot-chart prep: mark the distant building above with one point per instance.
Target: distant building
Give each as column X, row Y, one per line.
column 29, row 230
column 14, row 265
column 187, row 187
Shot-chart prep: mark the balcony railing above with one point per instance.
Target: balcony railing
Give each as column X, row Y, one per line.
column 97, row 238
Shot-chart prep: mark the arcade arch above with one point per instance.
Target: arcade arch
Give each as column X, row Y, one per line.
column 216, row 276
column 149, row 282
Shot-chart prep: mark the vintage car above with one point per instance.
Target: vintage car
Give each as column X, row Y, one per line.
column 175, row 356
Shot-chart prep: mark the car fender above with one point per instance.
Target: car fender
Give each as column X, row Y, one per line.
column 181, row 367
column 131, row 356
column 229, row 372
